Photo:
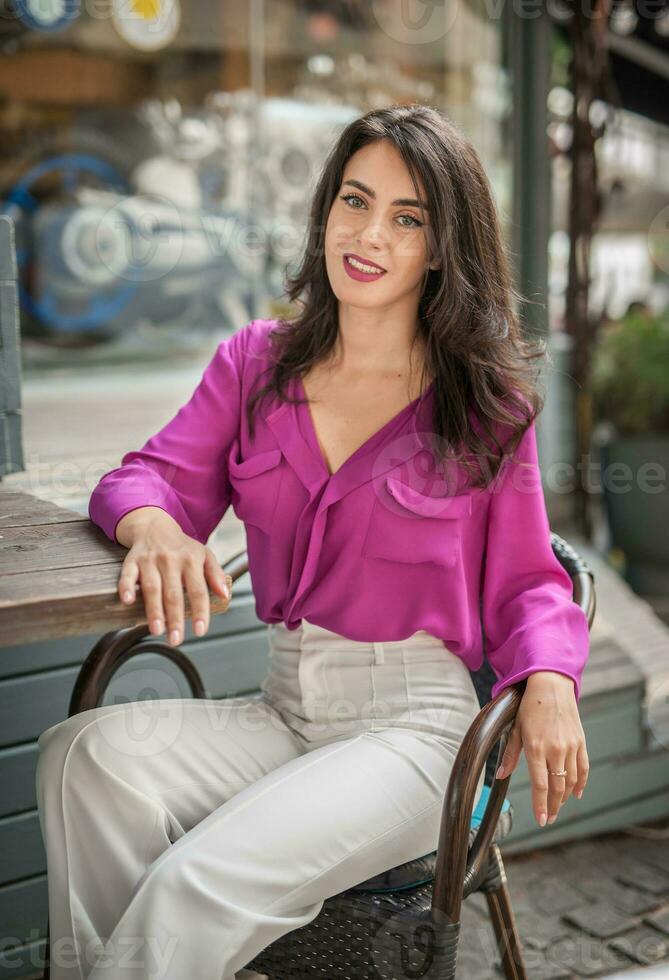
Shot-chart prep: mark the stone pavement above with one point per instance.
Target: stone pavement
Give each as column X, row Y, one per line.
column 590, row 908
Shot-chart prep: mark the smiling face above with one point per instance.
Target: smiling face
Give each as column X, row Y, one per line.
column 371, row 220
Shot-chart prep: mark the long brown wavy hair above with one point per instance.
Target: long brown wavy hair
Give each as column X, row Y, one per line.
column 474, row 347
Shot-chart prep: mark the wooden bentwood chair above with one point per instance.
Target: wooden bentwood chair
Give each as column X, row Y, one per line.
column 405, row 922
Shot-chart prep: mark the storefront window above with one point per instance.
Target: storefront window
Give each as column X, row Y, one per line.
column 159, row 167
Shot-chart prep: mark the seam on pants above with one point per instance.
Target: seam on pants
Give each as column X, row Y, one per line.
column 367, row 843
column 374, row 707
column 406, row 685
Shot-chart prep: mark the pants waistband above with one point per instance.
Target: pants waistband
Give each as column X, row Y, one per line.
column 308, row 632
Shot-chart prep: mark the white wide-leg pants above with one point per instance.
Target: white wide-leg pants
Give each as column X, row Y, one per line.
column 183, row 836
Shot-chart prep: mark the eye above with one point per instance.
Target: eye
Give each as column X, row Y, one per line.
column 349, row 197
column 415, row 223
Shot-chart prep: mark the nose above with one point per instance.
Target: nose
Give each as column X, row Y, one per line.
column 371, row 235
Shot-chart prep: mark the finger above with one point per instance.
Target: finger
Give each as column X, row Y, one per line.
column 536, row 764
column 218, row 580
column 572, row 775
column 583, row 769
column 128, row 580
column 555, row 761
column 152, row 594
column 198, row 595
column 173, row 598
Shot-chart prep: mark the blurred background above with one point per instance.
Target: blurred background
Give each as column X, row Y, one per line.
column 157, row 158
column 157, row 161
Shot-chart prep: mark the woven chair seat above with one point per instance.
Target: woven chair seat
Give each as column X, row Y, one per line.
column 381, row 928
column 365, row 934
column 421, row 870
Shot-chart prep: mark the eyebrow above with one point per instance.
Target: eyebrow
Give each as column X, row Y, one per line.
column 403, row 201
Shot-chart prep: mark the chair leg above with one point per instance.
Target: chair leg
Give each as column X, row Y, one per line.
column 45, row 975
column 503, row 920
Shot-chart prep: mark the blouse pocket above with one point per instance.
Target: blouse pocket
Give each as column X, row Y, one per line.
column 411, row 527
column 255, row 483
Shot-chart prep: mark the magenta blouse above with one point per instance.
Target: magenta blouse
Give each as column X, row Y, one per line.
column 378, row 550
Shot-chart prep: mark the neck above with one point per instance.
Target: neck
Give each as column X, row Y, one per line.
column 371, row 345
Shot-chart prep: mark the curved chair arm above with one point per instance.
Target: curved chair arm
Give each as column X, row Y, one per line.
column 582, row 575
column 111, row 652
column 456, row 863
column 114, row 648
column 468, row 866
column 237, row 565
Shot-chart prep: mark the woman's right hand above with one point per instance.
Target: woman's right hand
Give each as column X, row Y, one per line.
column 163, row 559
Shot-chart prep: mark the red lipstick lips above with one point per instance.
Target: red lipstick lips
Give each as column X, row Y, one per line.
column 358, row 273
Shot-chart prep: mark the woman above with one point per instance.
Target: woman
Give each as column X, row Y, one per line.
column 362, row 444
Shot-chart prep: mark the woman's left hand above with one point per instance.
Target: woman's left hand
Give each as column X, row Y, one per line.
column 549, row 728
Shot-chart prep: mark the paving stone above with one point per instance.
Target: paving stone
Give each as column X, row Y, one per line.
column 540, row 931
column 615, row 961
column 588, row 956
column 630, row 900
column 544, row 970
column 582, row 955
column 471, row 967
column 547, row 865
column 477, row 943
column 572, row 901
column 647, row 851
column 535, row 960
column 600, row 919
column 590, row 882
column 658, row 854
column 611, row 867
column 557, row 895
column 622, row 897
column 648, row 879
column 643, row 945
column 478, row 905
column 578, row 852
column 659, row 919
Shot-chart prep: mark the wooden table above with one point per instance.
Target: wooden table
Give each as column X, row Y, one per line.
column 58, row 577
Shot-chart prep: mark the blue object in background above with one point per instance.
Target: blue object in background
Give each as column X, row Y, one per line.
column 21, row 204
column 47, row 17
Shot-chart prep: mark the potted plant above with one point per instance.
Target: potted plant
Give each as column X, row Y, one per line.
column 631, row 407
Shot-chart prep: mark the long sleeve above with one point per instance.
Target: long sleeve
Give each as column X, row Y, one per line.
column 530, row 619
column 183, row 467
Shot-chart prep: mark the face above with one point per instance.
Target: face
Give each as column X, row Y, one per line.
column 366, row 221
